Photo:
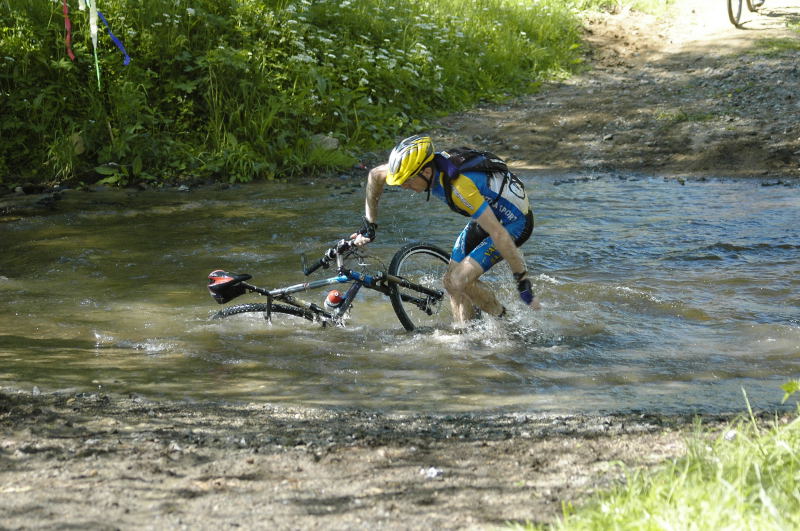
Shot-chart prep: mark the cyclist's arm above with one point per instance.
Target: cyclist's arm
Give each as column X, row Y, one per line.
column 502, row 240
column 376, row 180
column 505, row 244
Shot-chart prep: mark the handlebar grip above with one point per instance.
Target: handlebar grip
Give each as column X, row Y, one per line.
column 322, row 262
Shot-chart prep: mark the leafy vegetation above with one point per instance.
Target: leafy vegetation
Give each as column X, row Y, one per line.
column 245, row 89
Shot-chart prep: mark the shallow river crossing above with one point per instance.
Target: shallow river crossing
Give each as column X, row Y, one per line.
column 658, row 296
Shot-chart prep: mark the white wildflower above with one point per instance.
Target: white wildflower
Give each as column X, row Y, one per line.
column 302, row 58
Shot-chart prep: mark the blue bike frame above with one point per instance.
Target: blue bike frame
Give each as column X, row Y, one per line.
column 345, row 275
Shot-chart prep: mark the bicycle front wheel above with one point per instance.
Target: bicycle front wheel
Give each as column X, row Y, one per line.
column 735, row 11
column 425, row 265
column 262, row 308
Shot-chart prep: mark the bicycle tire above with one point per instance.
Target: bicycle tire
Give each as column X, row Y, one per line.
column 426, row 265
column 262, row 308
column 735, row 11
column 754, row 5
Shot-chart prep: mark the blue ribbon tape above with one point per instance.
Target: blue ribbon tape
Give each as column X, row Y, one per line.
column 127, row 59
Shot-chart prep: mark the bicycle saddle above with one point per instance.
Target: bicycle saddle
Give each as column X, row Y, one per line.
column 225, row 286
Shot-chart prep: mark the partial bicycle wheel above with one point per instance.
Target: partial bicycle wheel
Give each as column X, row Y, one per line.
column 735, row 11
column 425, row 265
column 753, row 5
column 261, row 308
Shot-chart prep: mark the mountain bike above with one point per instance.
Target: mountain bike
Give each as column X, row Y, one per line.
column 735, row 9
column 413, row 283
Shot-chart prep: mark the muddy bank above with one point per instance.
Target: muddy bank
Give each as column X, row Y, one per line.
column 688, row 96
column 89, row 460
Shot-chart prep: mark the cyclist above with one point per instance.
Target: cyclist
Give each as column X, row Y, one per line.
column 501, row 220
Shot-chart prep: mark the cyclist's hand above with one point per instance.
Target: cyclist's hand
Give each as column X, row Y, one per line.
column 365, row 234
column 359, row 239
column 526, row 291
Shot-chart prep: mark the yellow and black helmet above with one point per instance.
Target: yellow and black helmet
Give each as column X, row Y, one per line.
column 408, row 158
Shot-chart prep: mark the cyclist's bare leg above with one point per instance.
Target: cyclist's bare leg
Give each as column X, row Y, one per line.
column 462, row 282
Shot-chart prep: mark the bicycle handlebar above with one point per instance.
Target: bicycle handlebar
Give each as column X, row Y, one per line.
column 341, row 247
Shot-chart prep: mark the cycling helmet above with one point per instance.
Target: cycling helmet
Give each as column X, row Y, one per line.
column 408, row 158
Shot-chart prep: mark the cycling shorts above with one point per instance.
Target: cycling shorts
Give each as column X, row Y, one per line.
column 474, row 242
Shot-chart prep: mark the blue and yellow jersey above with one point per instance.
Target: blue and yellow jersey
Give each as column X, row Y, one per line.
column 475, row 191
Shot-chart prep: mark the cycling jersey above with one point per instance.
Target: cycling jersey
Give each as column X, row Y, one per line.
column 473, row 193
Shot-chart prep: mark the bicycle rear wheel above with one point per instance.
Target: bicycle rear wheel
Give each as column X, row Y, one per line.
column 425, row 265
column 261, row 308
column 753, row 5
column 735, row 11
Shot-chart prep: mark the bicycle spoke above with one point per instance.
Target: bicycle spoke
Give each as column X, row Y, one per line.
column 424, row 265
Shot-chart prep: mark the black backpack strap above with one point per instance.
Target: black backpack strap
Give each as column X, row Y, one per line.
column 450, row 173
column 506, row 178
column 455, row 161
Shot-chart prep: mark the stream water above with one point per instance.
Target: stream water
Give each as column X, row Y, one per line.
column 657, row 296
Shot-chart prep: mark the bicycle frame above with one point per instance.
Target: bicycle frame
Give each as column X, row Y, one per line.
column 380, row 281
column 359, row 280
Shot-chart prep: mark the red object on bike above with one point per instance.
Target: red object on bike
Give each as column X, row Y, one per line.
column 334, row 298
column 225, row 286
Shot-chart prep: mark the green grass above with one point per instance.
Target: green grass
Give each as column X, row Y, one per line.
column 779, row 46
column 776, row 46
column 237, row 90
column 748, row 477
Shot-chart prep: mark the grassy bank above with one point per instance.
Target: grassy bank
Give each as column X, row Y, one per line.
column 746, row 478
column 246, row 89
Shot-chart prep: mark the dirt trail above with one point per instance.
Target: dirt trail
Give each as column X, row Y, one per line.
column 672, row 99
column 680, row 98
